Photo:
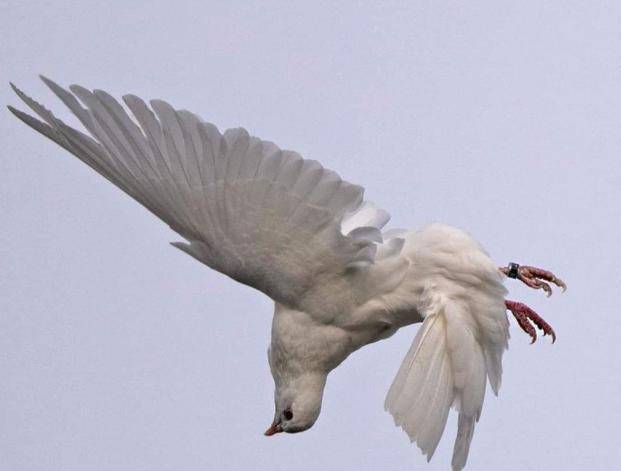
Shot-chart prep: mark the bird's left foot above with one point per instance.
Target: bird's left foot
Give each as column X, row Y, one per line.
column 534, row 277
column 526, row 317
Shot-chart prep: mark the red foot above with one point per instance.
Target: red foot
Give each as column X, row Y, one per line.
column 535, row 277
column 526, row 317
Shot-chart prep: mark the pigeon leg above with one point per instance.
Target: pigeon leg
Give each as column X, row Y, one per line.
column 534, row 277
column 526, row 317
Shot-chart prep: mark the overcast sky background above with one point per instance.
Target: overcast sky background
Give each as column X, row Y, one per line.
column 118, row 352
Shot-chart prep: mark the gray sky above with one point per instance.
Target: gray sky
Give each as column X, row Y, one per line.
column 119, row 352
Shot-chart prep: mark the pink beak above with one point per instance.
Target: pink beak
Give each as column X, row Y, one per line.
column 274, row 429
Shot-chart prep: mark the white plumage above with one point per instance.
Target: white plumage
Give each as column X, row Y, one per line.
column 299, row 233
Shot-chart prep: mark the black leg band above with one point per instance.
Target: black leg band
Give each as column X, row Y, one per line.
column 513, row 270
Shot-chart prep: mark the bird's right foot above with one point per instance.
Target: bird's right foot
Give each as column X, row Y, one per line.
column 526, row 317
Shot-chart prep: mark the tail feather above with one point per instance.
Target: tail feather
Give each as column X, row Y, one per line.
column 465, row 430
column 446, row 366
column 422, row 392
column 458, row 348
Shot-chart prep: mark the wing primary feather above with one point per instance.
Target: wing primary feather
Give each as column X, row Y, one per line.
column 151, row 128
column 98, row 129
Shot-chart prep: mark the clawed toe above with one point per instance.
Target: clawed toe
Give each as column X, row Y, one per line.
column 533, row 277
column 526, row 317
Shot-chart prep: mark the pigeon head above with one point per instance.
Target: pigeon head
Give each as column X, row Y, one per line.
column 297, row 403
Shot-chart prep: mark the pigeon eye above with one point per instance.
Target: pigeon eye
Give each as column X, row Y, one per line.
column 288, row 415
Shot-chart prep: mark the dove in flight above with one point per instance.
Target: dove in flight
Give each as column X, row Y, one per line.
column 297, row 232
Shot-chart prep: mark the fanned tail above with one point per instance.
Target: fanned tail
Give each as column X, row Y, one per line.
column 459, row 346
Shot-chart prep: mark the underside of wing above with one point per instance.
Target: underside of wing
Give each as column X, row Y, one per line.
column 261, row 215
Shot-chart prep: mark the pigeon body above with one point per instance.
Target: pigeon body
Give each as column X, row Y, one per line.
column 300, row 234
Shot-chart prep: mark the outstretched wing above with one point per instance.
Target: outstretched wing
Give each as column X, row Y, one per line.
column 261, row 215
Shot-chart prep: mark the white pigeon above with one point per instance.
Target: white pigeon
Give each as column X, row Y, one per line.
column 295, row 231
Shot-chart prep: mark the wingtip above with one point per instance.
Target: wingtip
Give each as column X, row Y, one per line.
column 24, row 117
column 18, row 113
column 13, row 110
column 101, row 93
column 158, row 103
column 19, row 92
column 49, row 82
column 131, row 99
column 79, row 90
column 180, row 245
